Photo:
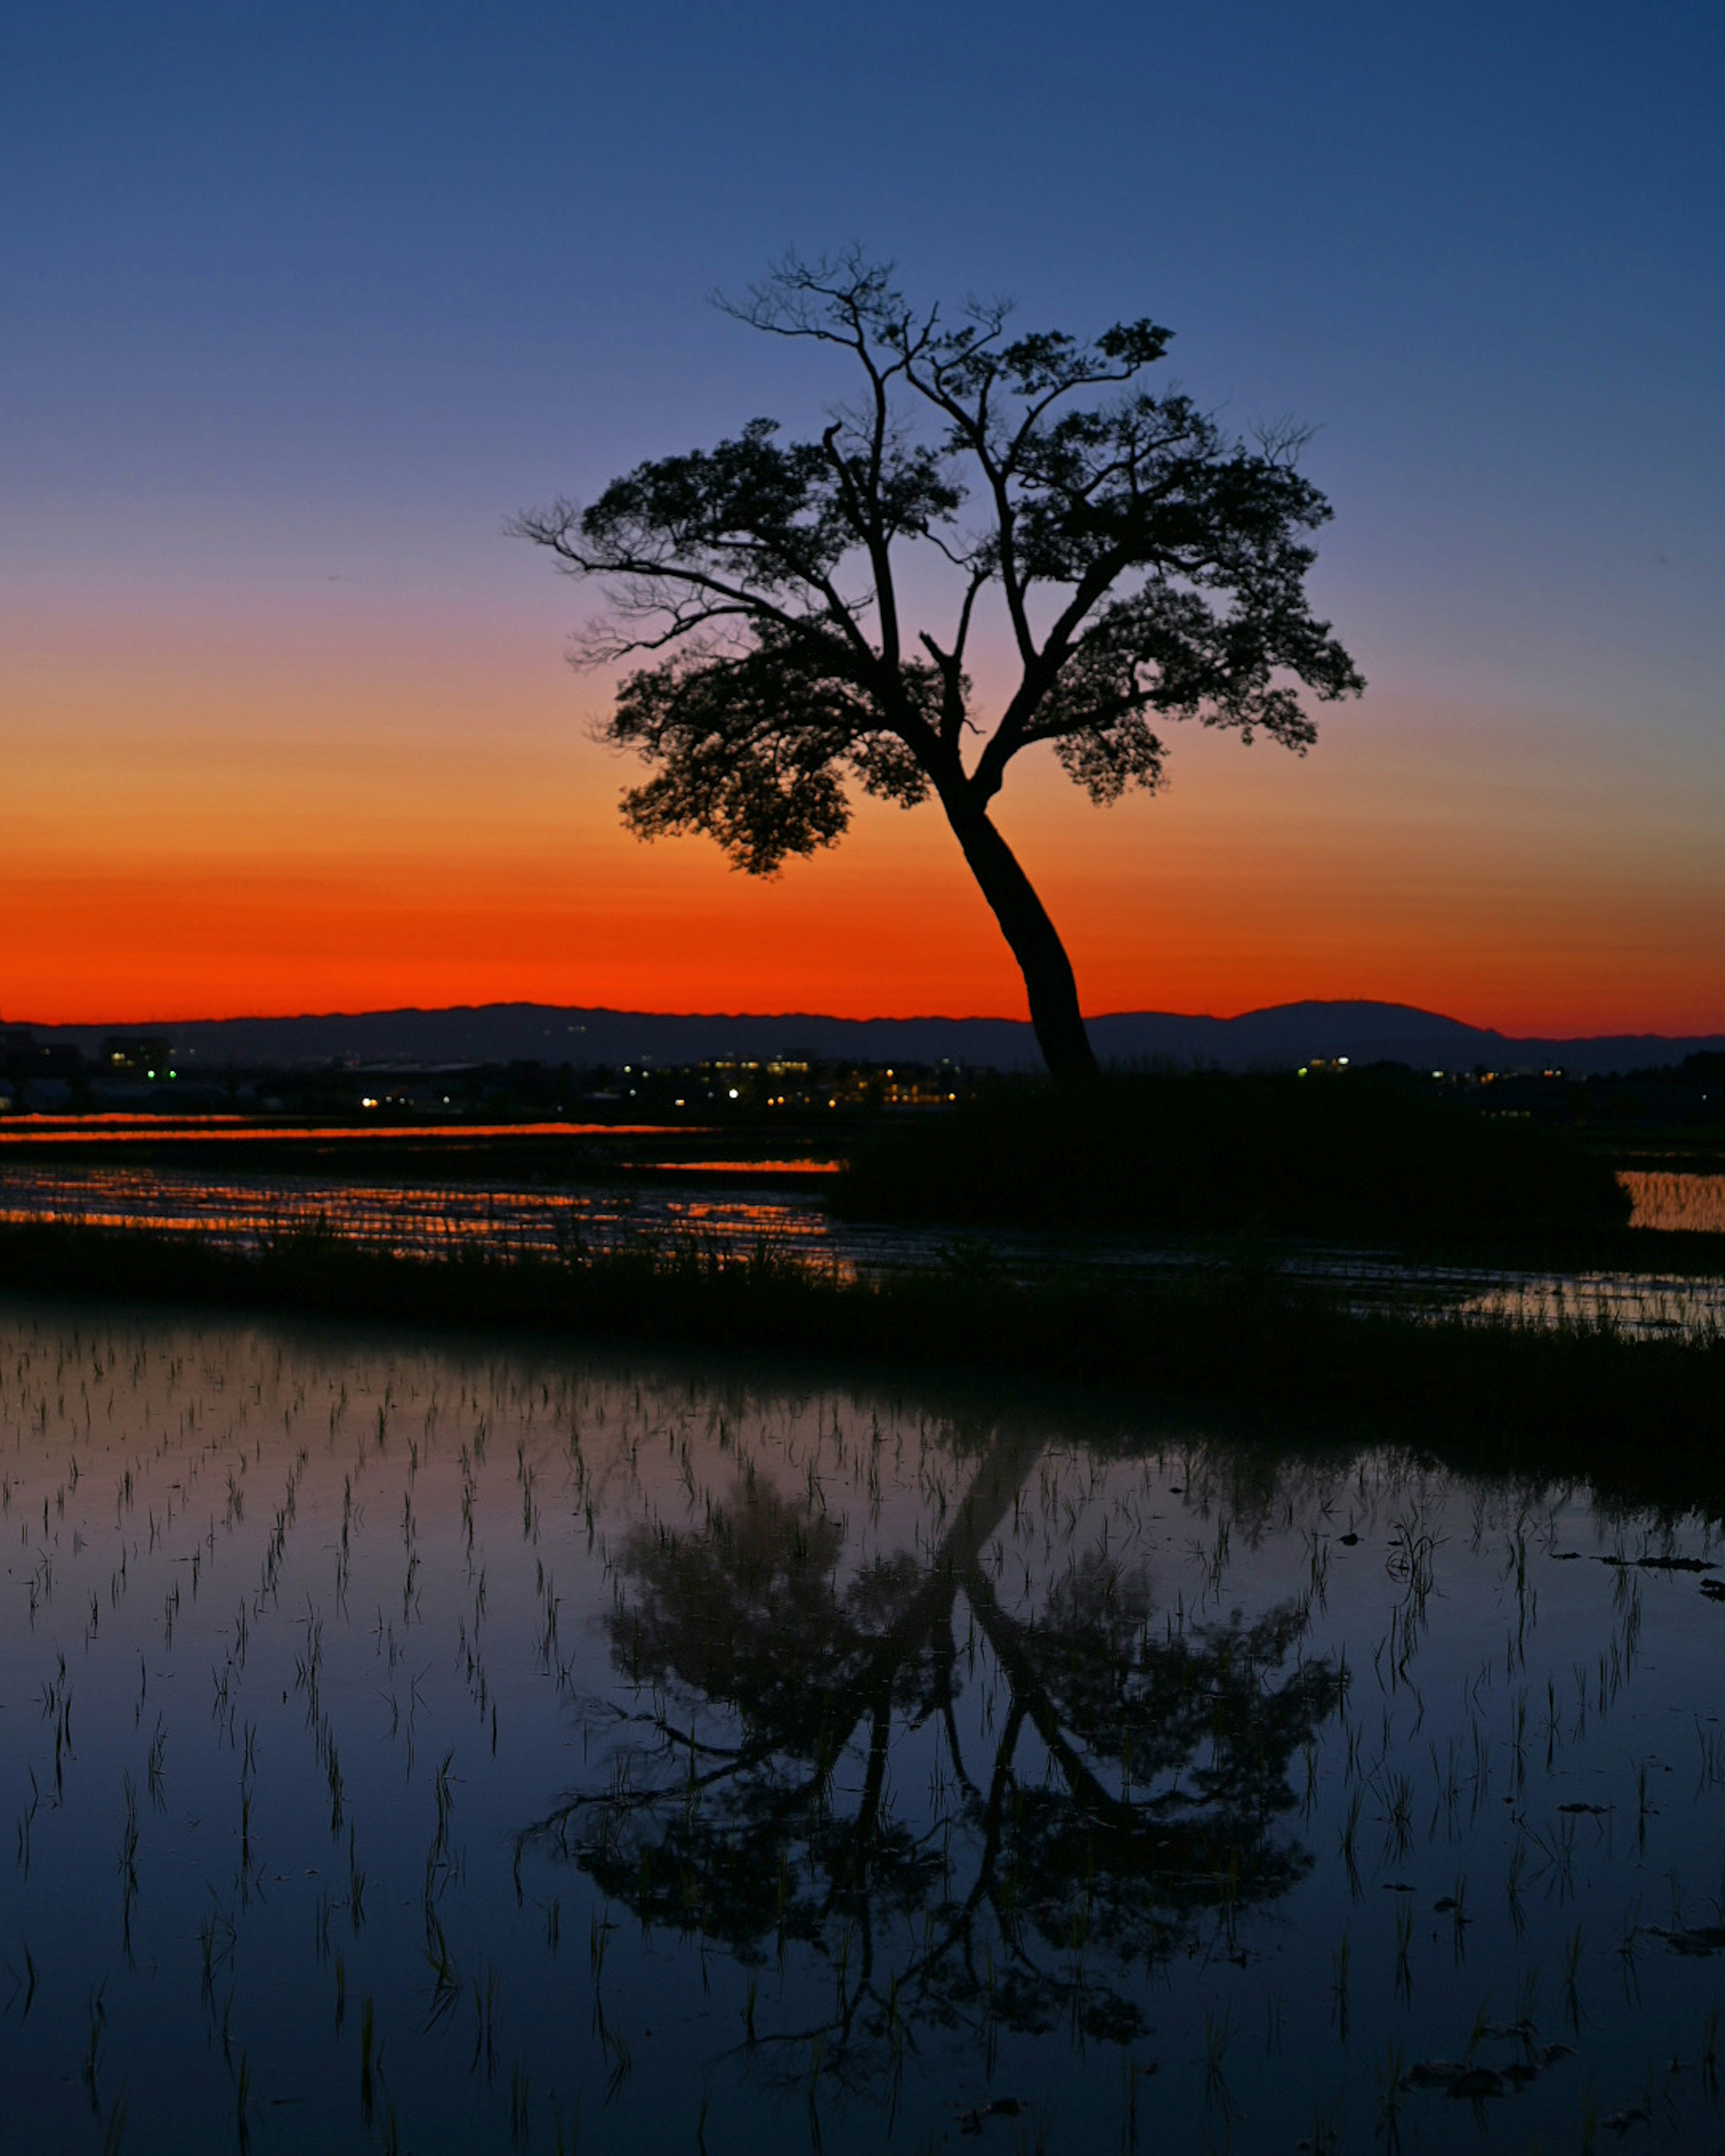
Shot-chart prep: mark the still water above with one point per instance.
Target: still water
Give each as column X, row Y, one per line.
column 435, row 1746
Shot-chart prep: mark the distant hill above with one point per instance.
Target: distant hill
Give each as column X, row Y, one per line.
column 1282, row 1036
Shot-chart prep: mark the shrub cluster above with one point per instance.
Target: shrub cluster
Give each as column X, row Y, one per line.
column 1211, row 1153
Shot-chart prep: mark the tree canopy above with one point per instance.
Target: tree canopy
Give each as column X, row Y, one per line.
column 1144, row 566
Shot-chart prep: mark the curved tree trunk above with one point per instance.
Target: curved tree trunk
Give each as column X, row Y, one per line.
column 1036, row 944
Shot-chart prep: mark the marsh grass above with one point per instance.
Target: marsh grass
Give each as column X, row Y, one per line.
column 1641, row 1418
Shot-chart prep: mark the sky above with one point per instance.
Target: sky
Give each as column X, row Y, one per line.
column 304, row 302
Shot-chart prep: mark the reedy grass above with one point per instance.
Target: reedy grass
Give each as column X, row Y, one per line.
column 1642, row 1419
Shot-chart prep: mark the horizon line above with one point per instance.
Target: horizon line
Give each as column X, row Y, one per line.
column 923, row 1018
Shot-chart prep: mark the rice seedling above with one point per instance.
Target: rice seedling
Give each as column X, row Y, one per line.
column 1572, row 1975
column 96, row 2022
column 1091, row 1773
column 242, row 2104
column 1218, row 2038
column 1404, row 1942
column 368, row 2058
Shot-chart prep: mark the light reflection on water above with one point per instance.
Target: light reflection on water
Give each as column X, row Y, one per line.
column 429, row 1220
column 243, row 1131
column 412, row 1220
column 436, row 1749
column 1692, row 1204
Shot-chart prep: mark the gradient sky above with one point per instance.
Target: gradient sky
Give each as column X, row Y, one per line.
column 303, row 301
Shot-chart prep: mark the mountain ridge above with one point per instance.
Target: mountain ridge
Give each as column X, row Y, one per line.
column 1277, row 1035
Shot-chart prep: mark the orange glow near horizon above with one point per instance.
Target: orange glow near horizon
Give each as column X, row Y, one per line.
column 185, row 835
column 57, row 1130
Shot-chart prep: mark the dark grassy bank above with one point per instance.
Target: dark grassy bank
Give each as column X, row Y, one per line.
column 1209, row 1153
column 1643, row 1420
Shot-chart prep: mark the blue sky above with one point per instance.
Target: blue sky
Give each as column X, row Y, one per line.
column 301, row 292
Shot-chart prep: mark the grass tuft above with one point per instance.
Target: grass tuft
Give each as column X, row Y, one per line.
column 1643, row 1418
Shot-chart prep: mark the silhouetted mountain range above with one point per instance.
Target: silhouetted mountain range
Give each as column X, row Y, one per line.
column 1284, row 1035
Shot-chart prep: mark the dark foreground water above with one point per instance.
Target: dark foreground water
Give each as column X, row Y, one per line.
column 431, row 1748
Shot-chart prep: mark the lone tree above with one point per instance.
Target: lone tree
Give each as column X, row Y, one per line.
column 1148, row 567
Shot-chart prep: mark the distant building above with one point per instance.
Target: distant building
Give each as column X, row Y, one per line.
column 147, row 1055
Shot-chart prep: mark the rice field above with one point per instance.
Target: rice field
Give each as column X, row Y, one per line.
column 245, row 1212
column 418, row 1745
column 1682, row 1203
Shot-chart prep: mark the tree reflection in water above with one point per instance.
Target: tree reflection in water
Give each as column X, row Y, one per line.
column 1115, row 1786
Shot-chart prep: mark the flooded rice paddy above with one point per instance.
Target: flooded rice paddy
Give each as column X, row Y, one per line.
column 440, row 1747
column 430, row 1220
column 1682, row 1202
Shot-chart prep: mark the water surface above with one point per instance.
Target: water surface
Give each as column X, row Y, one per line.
column 441, row 1747
column 432, row 1218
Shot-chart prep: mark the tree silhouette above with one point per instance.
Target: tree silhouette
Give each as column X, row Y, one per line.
column 1148, row 568
column 1131, row 1779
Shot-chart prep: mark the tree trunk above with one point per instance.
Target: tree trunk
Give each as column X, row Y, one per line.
column 1036, row 944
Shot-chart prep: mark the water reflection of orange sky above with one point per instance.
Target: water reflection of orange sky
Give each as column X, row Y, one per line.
column 198, row 829
column 150, row 1130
